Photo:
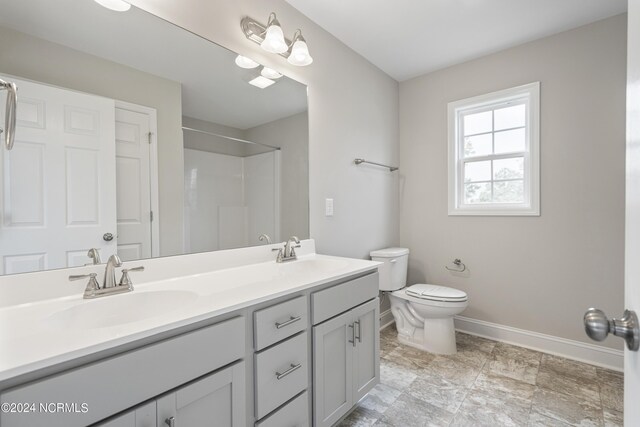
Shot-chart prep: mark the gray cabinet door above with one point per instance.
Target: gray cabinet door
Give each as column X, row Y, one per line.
column 217, row 400
column 366, row 363
column 332, row 374
column 142, row 416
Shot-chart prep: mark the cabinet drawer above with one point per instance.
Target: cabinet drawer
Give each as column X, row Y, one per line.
column 337, row 299
column 117, row 383
column 293, row 414
column 281, row 373
column 279, row 321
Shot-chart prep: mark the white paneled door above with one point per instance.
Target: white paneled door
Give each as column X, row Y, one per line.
column 58, row 182
column 133, row 143
column 632, row 232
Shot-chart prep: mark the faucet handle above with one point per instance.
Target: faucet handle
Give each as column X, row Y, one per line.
column 125, row 280
column 92, row 285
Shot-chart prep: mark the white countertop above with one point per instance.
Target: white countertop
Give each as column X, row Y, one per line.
column 45, row 333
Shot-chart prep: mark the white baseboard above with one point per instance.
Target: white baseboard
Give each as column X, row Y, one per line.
column 386, row 319
column 576, row 350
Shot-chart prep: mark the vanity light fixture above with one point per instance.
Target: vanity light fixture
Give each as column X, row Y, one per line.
column 244, row 62
column 274, row 37
column 261, row 82
column 270, row 73
column 116, row 5
column 271, row 38
column 299, row 51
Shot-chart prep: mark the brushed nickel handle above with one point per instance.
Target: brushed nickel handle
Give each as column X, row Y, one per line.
column 291, row 320
column 353, row 335
column 171, row 421
column 358, row 337
column 598, row 326
column 288, row 371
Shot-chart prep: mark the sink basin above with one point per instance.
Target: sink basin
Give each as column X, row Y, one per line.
column 121, row 309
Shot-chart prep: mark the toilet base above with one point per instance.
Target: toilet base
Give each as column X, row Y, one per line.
column 436, row 336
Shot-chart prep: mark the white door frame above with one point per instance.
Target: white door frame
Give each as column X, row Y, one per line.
column 153, row 169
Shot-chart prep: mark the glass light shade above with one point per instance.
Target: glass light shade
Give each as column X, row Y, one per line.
column 270, row 73
column 117, row 5
column 274, row 40
column 300, row 54
column 244, row 62
column 261, row 82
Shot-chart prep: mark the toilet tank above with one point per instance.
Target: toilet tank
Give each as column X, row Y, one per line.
column 393, row 273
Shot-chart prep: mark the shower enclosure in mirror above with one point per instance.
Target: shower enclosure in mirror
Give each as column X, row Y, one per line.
column 139, row 138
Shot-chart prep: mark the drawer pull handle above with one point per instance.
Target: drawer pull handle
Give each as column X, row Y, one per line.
column 357, row 337
column 280, row 325
column 171, row 422
column 288, row 371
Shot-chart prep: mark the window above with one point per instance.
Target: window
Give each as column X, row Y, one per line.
column 494, row 153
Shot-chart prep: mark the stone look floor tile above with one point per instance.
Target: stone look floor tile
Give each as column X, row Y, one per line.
column 569, row 377
column 452, row 370
column 395, row 376
column 568, row 409
column 514, row 362
column 438, row 392
column 380, row 398
column 482, row 408
column 611, row 386
column 410, row 357
column 503, row 387
column 538, row 420
column 360, row 417
column 408, row 411
column 613, row 418
column 487, row 384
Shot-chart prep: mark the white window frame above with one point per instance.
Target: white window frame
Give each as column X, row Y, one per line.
column 530, row 95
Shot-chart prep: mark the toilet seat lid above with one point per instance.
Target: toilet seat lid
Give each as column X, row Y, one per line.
column 436, row 293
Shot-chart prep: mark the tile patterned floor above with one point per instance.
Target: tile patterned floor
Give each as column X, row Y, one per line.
column 487, row 383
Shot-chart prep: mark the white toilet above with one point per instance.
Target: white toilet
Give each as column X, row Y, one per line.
column 423, row 313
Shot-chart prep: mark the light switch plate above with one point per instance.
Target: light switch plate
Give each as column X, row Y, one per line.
column 328, row 207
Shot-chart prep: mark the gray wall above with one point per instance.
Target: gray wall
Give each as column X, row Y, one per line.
column 534, row 273
column 353, row 112
column 292, row 135
column 35, row 59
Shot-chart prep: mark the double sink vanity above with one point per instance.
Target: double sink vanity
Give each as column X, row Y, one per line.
column 226, row 338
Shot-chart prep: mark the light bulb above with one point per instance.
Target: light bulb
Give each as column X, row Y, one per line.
column 274, row 37
column 244, row 62
column 300, row 53
column 117, row 5
column 270, row 73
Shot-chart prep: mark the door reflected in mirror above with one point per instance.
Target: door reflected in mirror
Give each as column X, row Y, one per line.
column 146, row 141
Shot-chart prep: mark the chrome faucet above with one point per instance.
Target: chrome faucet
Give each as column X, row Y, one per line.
column 288, row 253
column 94, row 255
column 110, row 271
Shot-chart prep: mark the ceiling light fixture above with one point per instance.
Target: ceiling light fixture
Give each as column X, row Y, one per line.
column 270, row 73
column 271, row 38
column 244, row 62
column 261, row 82
column 116, row 5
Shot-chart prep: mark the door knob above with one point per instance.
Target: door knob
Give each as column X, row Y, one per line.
column 598, row 326
column 107, row 237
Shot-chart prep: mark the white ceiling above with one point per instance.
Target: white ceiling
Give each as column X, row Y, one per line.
column 408, row 38
column 213, row 87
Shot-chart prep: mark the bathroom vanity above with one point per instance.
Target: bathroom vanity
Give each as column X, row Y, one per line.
column 246, row 342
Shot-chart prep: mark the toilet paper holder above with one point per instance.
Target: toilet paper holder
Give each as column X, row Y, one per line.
column 460, row 267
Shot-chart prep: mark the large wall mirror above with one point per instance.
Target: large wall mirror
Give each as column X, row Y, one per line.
column 137, row 137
